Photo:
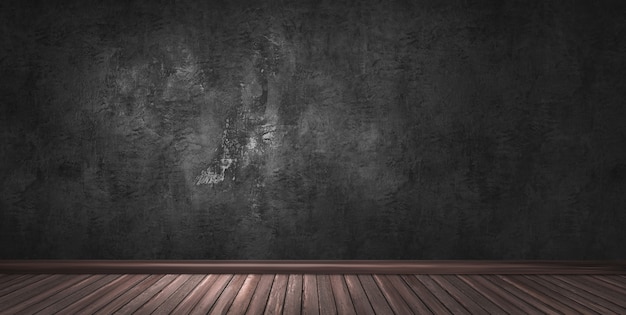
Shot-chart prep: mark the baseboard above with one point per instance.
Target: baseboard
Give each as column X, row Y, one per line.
column 314, row 266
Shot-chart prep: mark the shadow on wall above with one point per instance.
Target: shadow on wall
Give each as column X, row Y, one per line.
column 320, row 130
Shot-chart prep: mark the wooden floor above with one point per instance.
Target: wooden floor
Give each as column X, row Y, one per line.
column 311, row 294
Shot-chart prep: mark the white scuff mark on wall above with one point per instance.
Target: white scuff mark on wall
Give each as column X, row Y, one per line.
column 211, row 175
column 268, row 133
column 251, row 143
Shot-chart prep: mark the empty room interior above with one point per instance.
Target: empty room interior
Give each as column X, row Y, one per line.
column 312, row 157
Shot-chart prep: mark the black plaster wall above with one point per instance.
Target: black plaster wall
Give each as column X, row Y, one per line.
column 313, row 130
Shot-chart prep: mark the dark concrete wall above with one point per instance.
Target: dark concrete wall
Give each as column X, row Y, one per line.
column 313, row 130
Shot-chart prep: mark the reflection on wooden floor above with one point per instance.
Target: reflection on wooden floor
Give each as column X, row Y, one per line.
column 311, row 294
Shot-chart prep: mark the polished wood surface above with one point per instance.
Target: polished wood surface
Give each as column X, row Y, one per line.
column 311, row 294
column 312, row 266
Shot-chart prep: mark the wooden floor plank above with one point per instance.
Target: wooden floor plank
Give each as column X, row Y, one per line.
column 145, row 296
column 374, row 295
column 395, row 300
column 310, row 298
column 503, row 298
column 190, row 301
column 107, row 293
column 293, row 297
column 490, row 292
column 343, row 301
column 602, row 292
column 540, row 293
column 9, row 278
column 133, row 292
column 261, row 295
column 614, row 280
column 442, row 295
column 43, row 295
column 210, row 297
column 18, row 280
column 458, row 295
column 325, row 295
column 357, row 293
column 61, row 294
column 160, row 297
column 425, row 295
column 585, row 294
column 276, row 300
column 173, row 300
column 473, row 295
column 19, row 283
column 602, row 284
column 71, row 297
column 572, row 295
column 23, row 294
column 227, row 297
column 514, row 293
column 395, row 282
column 244, row 297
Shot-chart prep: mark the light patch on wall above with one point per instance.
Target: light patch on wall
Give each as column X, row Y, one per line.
column 211, row 175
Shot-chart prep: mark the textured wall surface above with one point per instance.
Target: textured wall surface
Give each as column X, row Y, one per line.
column 313, row 130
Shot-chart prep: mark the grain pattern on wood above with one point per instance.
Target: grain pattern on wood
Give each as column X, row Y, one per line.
column 133, row 292
column 20, row 283
column 293, row 297
column 395, row 282
column 72, row 297
column 393, row 297
column 310, row 298
column 244, row 296
column 519, row 294
column 276, row 300
column 502, row 297
column 474, row 295
column 138, row 301
column 162, row 295
column 316, row 294
column 540, row 293
column 374, row 295
column 61, row 294
column 227, row 297
column 602, row 292
column 614, row 280
column 359, row 297
column 602, row 284
column 99, row 298
column 25, row 293
column 212, row 294
column 16, row 282
column 425, row 295
column 458, row 295
column 442, row 295
column 343, row 301
column 43, row 295
column 6, row 278
column 585, row 304
column 261, row 295
column 173, row 300
column 592, row 298
column 190, row 301
column 325, row 295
